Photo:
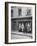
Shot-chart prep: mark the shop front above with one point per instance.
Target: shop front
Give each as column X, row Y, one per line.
column 22, row 24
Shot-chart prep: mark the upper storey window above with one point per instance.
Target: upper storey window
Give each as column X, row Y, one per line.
column 11, row 12
column 29, row 12
column 19, row 12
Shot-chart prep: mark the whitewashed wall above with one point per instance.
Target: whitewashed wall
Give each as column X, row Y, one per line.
column 23, row 12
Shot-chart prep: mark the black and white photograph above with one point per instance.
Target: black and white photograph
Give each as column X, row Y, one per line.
column 20, row 22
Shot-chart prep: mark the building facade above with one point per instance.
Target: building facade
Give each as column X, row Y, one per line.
column 21, row 19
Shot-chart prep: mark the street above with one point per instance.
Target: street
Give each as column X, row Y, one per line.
column 20, row 35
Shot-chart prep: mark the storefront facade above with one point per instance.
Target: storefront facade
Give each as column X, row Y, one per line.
column 21, row 21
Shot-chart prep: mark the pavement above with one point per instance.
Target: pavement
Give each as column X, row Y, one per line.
column 20, row 35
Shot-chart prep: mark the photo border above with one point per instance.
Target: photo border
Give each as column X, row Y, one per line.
column 6, row 22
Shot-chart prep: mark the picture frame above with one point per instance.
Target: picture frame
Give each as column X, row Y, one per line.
column 20, row 22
